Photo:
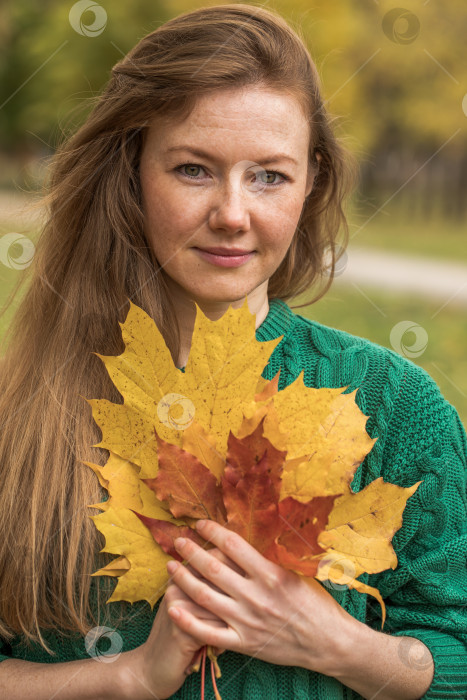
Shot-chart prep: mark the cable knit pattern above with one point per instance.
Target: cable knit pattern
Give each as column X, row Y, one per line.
column 420, row 437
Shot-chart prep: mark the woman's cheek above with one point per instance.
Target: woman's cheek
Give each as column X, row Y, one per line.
column 285, row 215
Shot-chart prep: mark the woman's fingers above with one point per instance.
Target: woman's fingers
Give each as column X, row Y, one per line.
column 200, row 577
column 177, row 598
column 220, row 577
column 215, row 636
column 220, row 556
column 226, row 560
column 233, row 546
column 200, row 591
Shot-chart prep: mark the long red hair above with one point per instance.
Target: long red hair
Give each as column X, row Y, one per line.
column 91, row 257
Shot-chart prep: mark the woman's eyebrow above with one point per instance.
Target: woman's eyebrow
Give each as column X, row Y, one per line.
column 204, row 154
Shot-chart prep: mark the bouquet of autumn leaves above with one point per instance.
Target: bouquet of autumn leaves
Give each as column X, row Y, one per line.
column 218, row 441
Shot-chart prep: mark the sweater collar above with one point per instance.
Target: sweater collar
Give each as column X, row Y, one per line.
column 277, row 322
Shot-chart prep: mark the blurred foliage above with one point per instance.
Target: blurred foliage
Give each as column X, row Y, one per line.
column 56, row 66
column 393, row 93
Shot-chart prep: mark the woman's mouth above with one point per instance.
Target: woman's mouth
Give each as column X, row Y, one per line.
column 224, row 260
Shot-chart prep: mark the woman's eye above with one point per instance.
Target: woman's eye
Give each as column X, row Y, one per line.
column 270, row 173
column 190, row 166
column 261, row 177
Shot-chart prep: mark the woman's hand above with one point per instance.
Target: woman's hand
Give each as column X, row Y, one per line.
column 269, row 612
column 160, row 666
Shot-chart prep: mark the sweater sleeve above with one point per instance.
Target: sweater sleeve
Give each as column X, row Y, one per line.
column 426, row 594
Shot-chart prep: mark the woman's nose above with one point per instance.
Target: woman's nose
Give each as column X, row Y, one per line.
column 230, row 211
column 233, row 199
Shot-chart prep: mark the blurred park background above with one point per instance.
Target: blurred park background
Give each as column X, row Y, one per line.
column 396, row 81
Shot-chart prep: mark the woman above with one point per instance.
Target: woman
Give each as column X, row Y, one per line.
column 172, row 162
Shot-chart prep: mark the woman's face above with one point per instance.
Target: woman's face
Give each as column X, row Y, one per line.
column 206, row 183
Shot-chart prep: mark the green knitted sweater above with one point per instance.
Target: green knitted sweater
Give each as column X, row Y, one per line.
column 420, row 437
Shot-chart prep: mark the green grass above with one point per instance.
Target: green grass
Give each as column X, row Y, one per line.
column 440, row 239
column 372, row 314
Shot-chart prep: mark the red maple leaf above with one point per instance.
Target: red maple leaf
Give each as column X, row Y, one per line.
column 246, row 500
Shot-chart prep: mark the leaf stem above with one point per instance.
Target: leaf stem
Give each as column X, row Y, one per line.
column 213, row 677
column 203, row 670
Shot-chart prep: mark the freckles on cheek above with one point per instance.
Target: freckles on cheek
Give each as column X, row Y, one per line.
column 286, row 209
column 167, row 207
column 158, row 213
column 290, row 219
column 186, row 219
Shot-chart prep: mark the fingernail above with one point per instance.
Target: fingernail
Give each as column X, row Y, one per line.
column 200, row 524
column 180, row 542
column 174, row 612
column 172, row 566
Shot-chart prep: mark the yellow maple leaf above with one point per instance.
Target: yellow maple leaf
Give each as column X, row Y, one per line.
column 323, row 422
column 197, row 441
column 125, row 534
column 221, row 374
column 127, row 492
column 322, row 432
column 361, row 525
column 117, row 567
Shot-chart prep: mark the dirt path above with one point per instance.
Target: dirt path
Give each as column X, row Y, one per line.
column 435, row 279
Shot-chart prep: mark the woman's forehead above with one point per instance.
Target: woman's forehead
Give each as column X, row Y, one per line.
column 260, row 114
column 214, row 100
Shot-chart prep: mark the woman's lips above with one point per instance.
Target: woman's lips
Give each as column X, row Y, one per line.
column 224, row 260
